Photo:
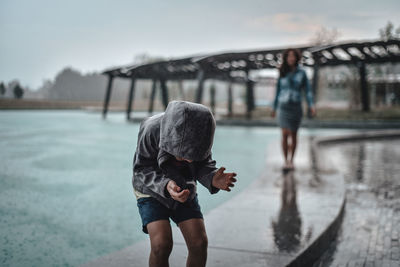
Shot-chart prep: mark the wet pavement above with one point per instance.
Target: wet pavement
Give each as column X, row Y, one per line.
column 267, row 224
column 59, row 204
column 370, row 232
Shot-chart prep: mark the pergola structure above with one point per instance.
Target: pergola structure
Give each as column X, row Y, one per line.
column 235, row 67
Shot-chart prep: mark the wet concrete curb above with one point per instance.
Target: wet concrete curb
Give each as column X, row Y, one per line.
column 315, row 250
column 368, row 135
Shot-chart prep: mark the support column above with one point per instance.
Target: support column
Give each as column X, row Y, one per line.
column 130, row 98
column 152, row 96
column 164, row 92
column 315, row 81
column 212, row 98
column 363, row 86
column 200, row 88
column 107, row 96
column 249, row 96
column 230, row 100
column 180, row 88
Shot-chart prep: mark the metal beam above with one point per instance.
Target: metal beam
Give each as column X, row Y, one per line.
column 130, row 98
column 230, row 100
column 152, row 96
column 249, row 96
column 212, row 98
column 180, row 88
column 108, row 95
column 200, row 87
column 164, row 92
column 315, row 81
column 363, row 87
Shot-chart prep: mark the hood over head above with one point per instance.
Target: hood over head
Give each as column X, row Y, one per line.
column 187, row 130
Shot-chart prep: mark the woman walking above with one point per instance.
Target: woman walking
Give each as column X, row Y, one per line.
column 292, row 81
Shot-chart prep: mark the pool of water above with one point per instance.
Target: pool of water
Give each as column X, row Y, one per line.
column 65, row 182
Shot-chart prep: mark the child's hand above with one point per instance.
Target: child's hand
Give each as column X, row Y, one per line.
column 175, row 191
column 223, row 180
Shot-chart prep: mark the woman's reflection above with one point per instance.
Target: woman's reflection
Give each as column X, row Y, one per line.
column 287, row 228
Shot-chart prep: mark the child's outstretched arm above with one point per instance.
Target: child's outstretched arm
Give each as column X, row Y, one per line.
column 212, row 178
column 224, row 181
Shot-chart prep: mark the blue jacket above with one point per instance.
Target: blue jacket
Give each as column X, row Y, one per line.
column 288, row 88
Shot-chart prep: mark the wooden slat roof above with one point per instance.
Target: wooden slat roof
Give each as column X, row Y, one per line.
column 223, row 65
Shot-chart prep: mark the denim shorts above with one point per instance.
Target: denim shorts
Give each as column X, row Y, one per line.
column 151, row 210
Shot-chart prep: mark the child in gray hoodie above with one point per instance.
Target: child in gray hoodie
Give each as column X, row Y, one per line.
column 173, row 153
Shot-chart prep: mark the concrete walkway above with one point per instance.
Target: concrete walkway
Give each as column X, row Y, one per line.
column 268, row 224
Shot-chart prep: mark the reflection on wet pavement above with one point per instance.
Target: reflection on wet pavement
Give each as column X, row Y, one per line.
column 370, row 230
column 287, row 226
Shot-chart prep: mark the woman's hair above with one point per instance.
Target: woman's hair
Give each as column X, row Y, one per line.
column 284, row 68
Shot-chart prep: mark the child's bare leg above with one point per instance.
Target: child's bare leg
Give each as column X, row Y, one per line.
column 194, row 232
column 161, row 242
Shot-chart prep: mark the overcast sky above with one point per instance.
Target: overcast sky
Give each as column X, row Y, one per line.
column 41, row 37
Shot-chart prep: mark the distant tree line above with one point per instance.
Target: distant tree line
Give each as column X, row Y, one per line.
column 72, row 85
column 15, row 88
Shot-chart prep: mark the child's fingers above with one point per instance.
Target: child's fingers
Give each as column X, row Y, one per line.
column 221, row 170
column 183, row 193
column 230, row 179
column 186, row 193
column 175, row 192
column 173, row 186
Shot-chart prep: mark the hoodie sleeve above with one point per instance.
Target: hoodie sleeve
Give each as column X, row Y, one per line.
column 205, row 173
column 145, row 165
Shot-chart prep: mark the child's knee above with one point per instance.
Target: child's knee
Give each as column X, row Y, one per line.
column 162, row 247
column 199, row 245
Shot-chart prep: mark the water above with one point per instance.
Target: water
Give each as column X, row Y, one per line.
column 65, row 183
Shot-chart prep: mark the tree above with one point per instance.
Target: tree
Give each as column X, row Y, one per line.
column 144, row 58
column 18, row 91
column 388, row 32
column 2, row 89
column 325, row 36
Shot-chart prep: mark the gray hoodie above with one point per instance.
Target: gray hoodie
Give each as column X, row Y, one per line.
column 184, row 130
